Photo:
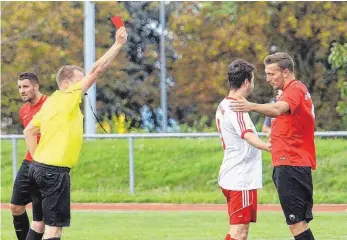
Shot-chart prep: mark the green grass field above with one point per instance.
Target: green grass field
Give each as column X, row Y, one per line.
column 182, row 226
column 176, row 170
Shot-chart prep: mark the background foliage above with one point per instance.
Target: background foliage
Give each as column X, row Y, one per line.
column 202, row 38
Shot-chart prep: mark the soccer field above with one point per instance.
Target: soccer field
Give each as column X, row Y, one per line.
column 149, row 225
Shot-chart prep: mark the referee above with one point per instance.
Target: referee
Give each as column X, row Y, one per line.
column 60, row 122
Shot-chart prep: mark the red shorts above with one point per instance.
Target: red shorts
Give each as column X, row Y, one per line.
column 242, row 206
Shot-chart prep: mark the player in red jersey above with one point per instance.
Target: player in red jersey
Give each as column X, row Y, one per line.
column 292, row 139
column 28, row 87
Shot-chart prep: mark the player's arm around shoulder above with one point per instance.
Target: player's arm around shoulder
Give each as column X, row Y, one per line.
column 267, row 109
column 280, row 107
column 103, row 63
column 256, row 142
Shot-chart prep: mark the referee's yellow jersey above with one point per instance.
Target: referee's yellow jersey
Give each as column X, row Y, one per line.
column 61, row 126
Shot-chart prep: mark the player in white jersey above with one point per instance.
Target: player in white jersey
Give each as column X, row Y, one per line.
column 240, row 174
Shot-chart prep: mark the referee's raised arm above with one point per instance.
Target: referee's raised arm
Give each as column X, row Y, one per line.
column 102, row 63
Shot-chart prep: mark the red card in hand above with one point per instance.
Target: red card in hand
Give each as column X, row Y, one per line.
column 117, row 22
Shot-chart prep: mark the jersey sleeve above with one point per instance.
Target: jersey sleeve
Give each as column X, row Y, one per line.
column 37, row 119
column 46, row 111
column 293, row 98
column 75, row 95
column 241, row 122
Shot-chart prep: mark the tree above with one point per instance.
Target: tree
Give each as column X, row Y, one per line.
column 338, row 61
column 202, row 38
column 207, row 38
column 35, row 40
column 140, row 76
column 208, row 42
column 307, row 32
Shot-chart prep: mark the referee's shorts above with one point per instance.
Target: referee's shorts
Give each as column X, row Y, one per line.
column 54, row 184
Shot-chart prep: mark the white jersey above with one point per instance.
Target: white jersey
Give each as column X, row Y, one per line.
column 241, row 168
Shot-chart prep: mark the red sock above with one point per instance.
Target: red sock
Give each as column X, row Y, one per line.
column 227, row 237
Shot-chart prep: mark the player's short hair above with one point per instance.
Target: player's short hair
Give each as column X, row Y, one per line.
column 67, row 72
column 238, row 71
column 283, row 60
column 30, row 76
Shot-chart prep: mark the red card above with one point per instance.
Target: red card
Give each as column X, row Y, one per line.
column 117, row 22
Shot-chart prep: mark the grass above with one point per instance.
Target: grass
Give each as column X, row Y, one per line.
column 176, row 170
column 182, row 226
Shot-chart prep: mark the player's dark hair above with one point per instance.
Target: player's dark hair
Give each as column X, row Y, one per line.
column 30, row 76
column 238, row 71
column 283, row 60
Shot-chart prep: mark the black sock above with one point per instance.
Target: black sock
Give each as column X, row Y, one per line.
column 21, row 225
column 306, row 235
column 32, row 235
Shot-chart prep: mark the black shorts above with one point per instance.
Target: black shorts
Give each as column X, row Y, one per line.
column 295, row 191
column 54, row 186
column 22, row 191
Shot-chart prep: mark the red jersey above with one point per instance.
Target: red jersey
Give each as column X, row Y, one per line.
column 292, row 134
column 26, row 113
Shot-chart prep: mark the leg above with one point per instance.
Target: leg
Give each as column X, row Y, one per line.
column 34, row 233
column 242, row 209
column 20, row 198
column 301, row 231
column 239, row 231
column 294, row 187
column 37, row 226
column 17, row 210
column 20, row 221
column 55, row 201
column 52, row 232
column 298, row 228
column 304, row 193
